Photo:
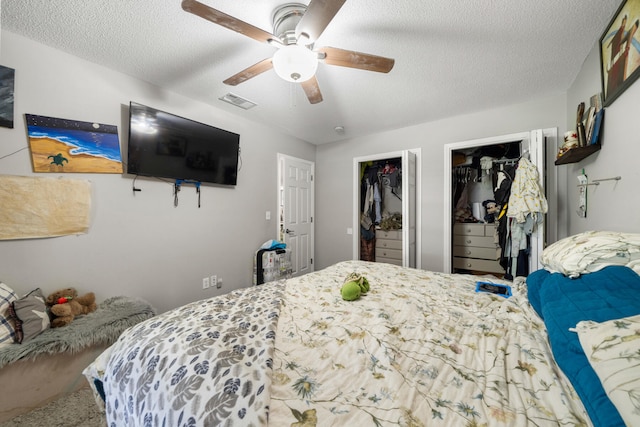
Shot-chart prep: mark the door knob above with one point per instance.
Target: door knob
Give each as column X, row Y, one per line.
column 288, row 231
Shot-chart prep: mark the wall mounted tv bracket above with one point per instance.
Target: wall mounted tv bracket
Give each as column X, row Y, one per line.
column 494, row 288
column 133, row 186
column 178, row 185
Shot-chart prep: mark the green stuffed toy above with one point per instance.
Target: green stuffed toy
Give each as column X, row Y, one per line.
column 354, row 286
column 350, row 291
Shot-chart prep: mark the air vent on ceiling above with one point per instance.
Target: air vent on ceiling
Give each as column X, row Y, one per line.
column 238, row 101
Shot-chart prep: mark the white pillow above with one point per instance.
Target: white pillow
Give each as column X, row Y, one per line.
column 613, row 350
column 591, row 251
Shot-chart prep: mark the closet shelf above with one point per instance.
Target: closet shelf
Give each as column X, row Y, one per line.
column 576, row 154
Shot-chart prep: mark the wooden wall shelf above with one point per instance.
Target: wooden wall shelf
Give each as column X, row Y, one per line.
column 576, row 154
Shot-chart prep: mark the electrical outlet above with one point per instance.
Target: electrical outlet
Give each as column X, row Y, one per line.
column 219, row 283
column 214, row 280
column 205, row 283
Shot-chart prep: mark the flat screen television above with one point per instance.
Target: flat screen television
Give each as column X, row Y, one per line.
column 168, row 146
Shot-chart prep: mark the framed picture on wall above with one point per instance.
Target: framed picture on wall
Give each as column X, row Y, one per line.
column 7, row 78
column 620, row 51
column 62, row 145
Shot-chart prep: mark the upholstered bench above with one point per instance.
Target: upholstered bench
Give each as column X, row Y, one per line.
column 50, row 365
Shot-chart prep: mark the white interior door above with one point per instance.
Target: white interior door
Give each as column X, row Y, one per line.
column 537, row 155
column 409, row 208
column 297, row 210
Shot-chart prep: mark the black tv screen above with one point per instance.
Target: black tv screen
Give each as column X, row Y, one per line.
column 168, row 146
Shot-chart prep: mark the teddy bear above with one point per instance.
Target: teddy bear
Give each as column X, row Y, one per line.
column 66, row 304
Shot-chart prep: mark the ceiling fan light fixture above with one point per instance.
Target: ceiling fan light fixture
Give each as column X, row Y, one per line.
column 295, row 63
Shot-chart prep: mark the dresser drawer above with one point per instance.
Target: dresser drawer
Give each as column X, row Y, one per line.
column 477, row 265
column 389, row 253
column 475, row 252
column 389, row 260
column 389, row 234
column 479, row 241
column 473, row 229
column 388, row 244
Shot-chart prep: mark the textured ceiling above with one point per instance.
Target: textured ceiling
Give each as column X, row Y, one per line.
column 451, row 57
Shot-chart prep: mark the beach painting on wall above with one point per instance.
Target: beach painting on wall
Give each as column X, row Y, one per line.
column 61, row 145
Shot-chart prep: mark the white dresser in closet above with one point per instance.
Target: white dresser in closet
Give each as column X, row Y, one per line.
column 475, row 248
column 389, row 246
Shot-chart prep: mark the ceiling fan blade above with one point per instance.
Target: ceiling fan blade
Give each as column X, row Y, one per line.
column 362, row 61
column 318, row 15
column 249, row 72
column 227, row 21
column 312, row 90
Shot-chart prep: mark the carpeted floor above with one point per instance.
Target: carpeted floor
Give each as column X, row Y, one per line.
column 78, row 409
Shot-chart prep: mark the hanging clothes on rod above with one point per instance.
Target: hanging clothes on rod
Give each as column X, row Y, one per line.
column 391, row 177
column 380, row 187
column 380, row 180
column 526, row 208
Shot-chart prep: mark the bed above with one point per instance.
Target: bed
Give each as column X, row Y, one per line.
column 419, row 348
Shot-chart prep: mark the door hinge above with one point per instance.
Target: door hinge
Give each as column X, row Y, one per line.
column 312, row 219
column 311, row 178
column 312, row 261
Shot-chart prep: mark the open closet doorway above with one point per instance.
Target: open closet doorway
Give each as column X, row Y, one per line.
column 296, row 211
column 386, row 206
column 471, row 243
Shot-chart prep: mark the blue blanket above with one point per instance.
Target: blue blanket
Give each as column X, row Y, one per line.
column 610, row 293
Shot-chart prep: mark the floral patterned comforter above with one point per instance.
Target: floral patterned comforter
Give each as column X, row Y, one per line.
column 419, row 349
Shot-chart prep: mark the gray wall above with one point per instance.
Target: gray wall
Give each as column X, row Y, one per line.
column 144, row 246
column 138, row 245
column 334, row 171
column 611, row 205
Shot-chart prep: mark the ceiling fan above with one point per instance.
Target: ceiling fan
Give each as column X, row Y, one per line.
column 296, row 27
